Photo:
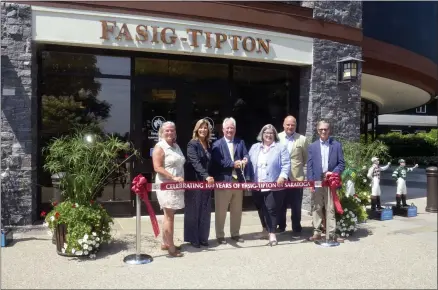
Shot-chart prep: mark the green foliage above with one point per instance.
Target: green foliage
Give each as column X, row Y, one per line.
column 87, row 166
column 88, row 226
column 421, row 160
column 357, row 158
column 420, row 144
column 87, row 162
column 61, row 114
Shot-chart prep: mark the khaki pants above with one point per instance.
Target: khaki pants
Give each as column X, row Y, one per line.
column 223, row 198
column 319, row 200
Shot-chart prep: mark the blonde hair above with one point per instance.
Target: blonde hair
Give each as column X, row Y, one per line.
column 160, row 131
column 198, row 125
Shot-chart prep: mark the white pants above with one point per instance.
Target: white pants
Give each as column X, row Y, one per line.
column 350, row 190
column 375, row 187
column 401, row 186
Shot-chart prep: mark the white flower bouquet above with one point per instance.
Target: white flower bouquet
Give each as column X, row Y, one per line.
column 347, row 223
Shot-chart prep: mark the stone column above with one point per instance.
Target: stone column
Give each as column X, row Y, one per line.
column 320, row 95
column 337, row 103
column 18, row 118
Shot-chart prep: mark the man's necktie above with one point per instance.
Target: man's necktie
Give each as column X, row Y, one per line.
column 234, row 174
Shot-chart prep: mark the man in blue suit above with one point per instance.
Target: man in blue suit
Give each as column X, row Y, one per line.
column 325, row 157
column 229, row 156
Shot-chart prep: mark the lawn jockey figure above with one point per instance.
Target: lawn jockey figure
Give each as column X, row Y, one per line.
column 400, row 176
column 374, row 176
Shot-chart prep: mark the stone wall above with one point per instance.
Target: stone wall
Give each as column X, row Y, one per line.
column 320, row 95
column 18, row 118
column 338, row 103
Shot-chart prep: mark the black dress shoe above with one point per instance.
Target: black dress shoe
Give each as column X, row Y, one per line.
column 221, row 241
column 205, row 244
column 238, row 239
column 194, row 245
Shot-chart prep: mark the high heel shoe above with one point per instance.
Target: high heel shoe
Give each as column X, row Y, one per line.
column 175, row 253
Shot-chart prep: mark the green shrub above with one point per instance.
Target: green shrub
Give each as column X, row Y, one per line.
column 420, row 144
column 421, row 160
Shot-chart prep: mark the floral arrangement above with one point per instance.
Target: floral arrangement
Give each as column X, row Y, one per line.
column 354, row 213
column 87, row 162
column 357, row 158
column 346, row 225
column 88, row 226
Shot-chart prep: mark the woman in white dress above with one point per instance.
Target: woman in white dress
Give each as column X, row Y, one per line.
column 168, row 161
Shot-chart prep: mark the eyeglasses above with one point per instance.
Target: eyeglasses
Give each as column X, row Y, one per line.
column 268, row 133
column 323, row 130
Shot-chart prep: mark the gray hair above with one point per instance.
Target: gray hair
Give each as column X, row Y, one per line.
column 266, row 127
column 160, row 131
column 230, row 119
column 323, row 122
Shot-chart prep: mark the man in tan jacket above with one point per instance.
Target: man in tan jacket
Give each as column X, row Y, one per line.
column 297, row 146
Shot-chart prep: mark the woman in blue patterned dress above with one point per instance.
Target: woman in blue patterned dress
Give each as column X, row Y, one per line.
column 198, row 202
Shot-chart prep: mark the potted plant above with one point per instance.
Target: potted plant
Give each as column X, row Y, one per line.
column 79, row 224
column 357, row 161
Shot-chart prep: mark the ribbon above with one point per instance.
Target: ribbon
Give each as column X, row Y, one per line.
column 139, row 187
column 196, row 185
column 334, row 182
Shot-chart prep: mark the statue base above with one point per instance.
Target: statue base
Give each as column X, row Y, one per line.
column 385, row 214
column 405, row 211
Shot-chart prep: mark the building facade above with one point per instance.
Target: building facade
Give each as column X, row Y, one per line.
column 413, row 26
column 129, row 66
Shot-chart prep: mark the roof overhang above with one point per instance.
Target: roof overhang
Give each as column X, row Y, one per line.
column 392, row 96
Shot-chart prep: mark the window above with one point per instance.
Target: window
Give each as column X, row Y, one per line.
column 397, row 131
column 84, row 89
column 421, row 109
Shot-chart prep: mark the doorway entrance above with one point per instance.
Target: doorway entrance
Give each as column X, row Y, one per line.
column 185, row 91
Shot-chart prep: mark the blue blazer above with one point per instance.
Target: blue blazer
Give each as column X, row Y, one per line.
column 335, row 160
column 221, row 163
column 278, row 163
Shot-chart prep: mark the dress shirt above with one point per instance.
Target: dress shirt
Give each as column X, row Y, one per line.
column 290, row 142
column 266, row 156
column 324, row 155
column 230, row 145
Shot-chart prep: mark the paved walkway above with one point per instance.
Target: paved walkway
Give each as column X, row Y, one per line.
column 401, row 253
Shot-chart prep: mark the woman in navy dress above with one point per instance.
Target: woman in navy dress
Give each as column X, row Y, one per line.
column 198, row 202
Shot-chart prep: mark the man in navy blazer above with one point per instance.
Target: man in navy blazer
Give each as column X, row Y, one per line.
column 325, row 157
column 229, row 156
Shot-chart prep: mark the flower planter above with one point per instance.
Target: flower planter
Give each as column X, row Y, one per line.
column 61, row 239
column 88, row 246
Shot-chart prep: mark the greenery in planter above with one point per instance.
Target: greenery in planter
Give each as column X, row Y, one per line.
column 357, row 156
column 88, row 226
column 87, row 161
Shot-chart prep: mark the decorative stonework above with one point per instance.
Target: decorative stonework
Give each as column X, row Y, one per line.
column 321, row 97
column 18, row 119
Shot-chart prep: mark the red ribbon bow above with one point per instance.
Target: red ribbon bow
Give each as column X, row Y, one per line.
column 139, row 187
column 333, row 181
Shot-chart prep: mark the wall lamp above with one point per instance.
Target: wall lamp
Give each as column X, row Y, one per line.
column 348, row 69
